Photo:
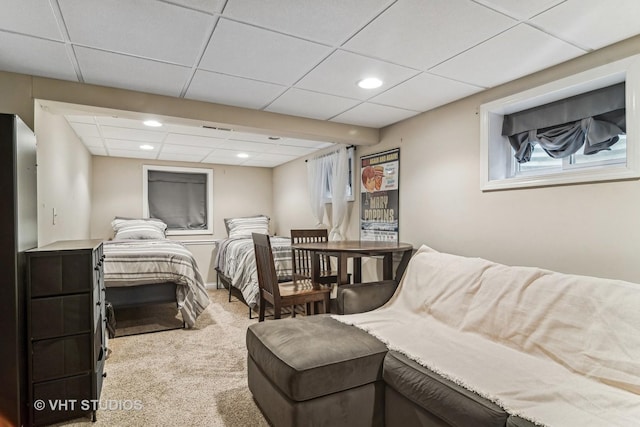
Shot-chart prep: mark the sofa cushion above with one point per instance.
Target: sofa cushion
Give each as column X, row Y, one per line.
column 448, row 401
column 314, row 356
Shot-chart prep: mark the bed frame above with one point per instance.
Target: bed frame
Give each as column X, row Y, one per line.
column 140, row 295
column 226, row 283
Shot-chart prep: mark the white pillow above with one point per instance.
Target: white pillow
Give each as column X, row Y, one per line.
column 143, row 228
column 243, row 227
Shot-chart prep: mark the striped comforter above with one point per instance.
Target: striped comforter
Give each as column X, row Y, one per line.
column 140, row 262
column 236, row 260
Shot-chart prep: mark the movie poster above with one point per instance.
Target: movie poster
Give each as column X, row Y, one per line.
column 379, row 191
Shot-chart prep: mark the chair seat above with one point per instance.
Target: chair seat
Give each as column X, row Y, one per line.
column 301, row 287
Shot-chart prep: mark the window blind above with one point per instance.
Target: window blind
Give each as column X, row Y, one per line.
column 179, row 199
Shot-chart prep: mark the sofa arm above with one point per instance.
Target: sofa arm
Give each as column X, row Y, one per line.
column 361, row 297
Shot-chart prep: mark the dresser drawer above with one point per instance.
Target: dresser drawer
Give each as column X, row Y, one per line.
column 64, row 315
column 60, row 274
column 62, row 399
column 61, row 356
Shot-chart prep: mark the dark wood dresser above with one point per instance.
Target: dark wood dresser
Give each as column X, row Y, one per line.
column 65, row 330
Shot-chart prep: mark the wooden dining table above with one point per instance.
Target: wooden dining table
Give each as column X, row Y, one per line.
column 356, row 250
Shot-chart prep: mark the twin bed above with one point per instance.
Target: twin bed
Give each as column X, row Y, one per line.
column 236, row 265
column 235, row 259
column 143, row 267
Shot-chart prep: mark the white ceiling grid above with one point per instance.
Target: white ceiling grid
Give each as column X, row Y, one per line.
column 296, row 57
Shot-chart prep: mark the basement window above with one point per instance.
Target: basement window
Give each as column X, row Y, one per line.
column 574, row 130
column 181, row 197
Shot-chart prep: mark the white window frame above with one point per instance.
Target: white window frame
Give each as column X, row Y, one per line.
column 495, row 150
column 145, row 195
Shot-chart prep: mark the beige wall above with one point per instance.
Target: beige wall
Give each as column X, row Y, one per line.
column 237, row 191
column 64, row 181
column 591, row 229
column 117, row 191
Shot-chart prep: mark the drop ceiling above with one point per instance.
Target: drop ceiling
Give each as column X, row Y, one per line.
column 295, row 57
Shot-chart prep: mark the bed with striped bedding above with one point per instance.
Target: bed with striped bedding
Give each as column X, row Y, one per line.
column 149, row 261
column 236, row 264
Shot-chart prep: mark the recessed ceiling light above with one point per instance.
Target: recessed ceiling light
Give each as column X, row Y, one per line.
column 152, row 123
column 243, row 155
column 146, row 147
column 370, row 83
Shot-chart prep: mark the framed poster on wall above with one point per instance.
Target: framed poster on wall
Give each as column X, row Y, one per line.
column 379, row 194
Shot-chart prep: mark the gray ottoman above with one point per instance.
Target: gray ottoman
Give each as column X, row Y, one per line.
column 316, row 371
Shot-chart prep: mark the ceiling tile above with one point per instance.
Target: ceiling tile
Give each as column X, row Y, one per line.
column 267, row 160
column 315, row 20
column 314, row 105
column 502, row 57
column 185, row 149
column 128, row 72
column 85, row 130
column 373, row 115
column 230, row 90
column 195, row 130
column 74, row 118
column 180, row 157
column 424, row 92
column 146, row 28
column 137, row 135
column 423, row 33
column 193, row 140
column 140, row 154
column 592, row 23
column 246, row 146
column 97, row 151
column 520, row 9
column 246, row 51
column 338, row 75
column 209, row 6
column 122, row 122
column 26, row 55
column 227, row 157
column 30, row 17
column 92, row 141
column 130, row 145
column 291, row 150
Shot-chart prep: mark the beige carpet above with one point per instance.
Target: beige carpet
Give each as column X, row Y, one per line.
column 182, row 377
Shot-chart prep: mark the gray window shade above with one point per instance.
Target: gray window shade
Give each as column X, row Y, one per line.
column 592, row 119
column 179, row 199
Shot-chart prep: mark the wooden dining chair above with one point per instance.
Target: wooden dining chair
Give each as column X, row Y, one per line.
column 283, row 294
column 302, row 261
